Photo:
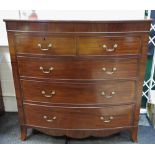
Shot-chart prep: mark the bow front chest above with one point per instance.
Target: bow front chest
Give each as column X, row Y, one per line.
column 78, row 78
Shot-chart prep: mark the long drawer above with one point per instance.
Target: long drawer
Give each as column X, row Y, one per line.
column 45, row 44
column 109, row 45
column 78, row 69
column 78, row 118
column 107, row 92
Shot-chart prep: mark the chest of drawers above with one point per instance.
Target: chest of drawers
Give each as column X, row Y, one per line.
column 78, row 78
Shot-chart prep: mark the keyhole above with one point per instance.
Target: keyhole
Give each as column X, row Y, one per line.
column 44, row 39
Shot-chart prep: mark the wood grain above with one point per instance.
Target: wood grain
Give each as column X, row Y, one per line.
column 80, row 93
column 94, row 45
column 78, row 68
column 60, row 45
column 78, row 118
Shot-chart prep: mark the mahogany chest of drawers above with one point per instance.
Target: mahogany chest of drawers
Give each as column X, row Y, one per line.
column 78, row 78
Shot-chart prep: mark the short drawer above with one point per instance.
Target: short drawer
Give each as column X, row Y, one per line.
column 107, row 92
column 45, row 44
column 109, row 45
column 78, row 69
column 78, row 118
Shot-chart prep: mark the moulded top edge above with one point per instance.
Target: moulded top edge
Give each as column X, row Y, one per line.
column 80, row 21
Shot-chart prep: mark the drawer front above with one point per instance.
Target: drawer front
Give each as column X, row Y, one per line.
column 78, row 118
column 45, row 44
column 107, row 92
column 123, row 45
column 78, row 69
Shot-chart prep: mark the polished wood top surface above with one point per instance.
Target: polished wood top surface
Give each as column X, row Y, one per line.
column 82, row 21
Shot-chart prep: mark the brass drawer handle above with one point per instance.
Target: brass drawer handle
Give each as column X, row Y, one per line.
column 46, row 95
column 110, row 49
column 109, row 72
column 107, row 119
column 45, row 49
column 46, row 71
column 108, row 96
column 49, row 120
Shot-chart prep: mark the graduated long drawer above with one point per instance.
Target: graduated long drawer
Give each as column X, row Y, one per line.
column 78, row 118
column 107, row 92
column 78, row 69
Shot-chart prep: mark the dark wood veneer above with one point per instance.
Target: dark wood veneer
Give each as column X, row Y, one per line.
column 82, row 67
column 94, row 45
column 60, row 45
column 78, row 26
column 80, row 93
column 78, row 118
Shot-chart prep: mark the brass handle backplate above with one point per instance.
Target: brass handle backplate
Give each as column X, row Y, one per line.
column 107, row 119
column 108, row 96
column 45, row 49
column 48, row 95
column 109, row 72
column 49, row 120
column 110, row 49
column 46, row 71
